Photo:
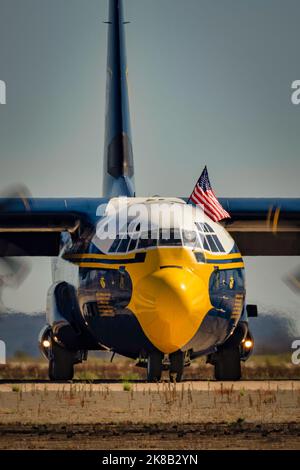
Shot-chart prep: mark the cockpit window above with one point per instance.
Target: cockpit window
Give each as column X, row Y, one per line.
column 219, row 244
column 209, row 239
column 204, row 241
column 203, row 238
column 208, row 229
column 191, row 239
column 170, row 237
column 115, row 244
column 133, row 242
column 146, row 240
column 122, row 248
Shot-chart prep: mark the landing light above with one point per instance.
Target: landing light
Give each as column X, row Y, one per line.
column 248, row 344
column 46, row 343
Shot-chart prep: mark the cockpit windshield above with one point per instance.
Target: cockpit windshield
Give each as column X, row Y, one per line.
column 203, row 237
column 169, row 225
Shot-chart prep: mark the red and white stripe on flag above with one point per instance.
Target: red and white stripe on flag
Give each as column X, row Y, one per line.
column 205, row 197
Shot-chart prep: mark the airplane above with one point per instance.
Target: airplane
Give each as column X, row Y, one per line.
column 161, row 301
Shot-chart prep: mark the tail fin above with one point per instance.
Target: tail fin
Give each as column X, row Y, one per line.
column 118, row 157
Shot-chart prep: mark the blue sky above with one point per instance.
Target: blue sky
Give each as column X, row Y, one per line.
column 210, row 83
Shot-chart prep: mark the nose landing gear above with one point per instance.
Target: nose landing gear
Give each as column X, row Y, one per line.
column 156, row 364
column 176, row 366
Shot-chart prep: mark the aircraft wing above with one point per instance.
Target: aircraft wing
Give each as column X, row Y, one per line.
column 32, row 226
column 264, row 226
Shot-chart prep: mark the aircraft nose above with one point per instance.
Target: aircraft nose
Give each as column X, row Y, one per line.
column 170, row 304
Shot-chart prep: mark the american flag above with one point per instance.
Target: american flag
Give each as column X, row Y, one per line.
column 204, row 196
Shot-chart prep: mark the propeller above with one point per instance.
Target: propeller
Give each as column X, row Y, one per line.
column 13, row 271
column 293, row 280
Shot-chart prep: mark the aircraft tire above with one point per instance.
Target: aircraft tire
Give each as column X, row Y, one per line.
column 228, row 364
column 61, row 364
column 154, row 366
column 176, row 366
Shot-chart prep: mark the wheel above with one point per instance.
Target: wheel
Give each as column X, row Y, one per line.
column 176, row 366
column 50, row 370
column 61, row 363
column 154, row 367
column 228, row 364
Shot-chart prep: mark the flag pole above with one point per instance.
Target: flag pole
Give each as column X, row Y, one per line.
column 191, row 194
column 196, row 185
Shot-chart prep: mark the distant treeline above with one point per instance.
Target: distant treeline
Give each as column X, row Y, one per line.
column 273, row 333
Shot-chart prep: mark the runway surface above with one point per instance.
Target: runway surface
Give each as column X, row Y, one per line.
column 124, row 415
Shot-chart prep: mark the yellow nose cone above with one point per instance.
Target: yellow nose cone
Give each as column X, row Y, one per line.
column 170, row 305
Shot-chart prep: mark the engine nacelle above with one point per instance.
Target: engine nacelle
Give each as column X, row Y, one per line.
column 61, row 313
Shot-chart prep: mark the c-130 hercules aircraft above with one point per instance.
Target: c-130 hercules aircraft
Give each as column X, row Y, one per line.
column 161, row 301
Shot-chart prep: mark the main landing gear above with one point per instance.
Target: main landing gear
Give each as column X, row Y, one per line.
column 61, row 360
column 61, row 363
column 227, row 359
column 155, row 366
column 227, row 364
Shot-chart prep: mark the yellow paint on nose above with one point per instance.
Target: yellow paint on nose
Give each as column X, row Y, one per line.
column 170, row 304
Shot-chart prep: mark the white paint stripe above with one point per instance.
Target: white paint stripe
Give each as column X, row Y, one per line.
column 199, row 199
column 207, row 205
column 213, row 197
column 214, row 202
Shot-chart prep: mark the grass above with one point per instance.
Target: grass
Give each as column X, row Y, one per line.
column 87, row 375
column 127, row 387
column 266, row 367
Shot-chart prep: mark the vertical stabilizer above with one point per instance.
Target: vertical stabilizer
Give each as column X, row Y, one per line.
column 118, row 176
